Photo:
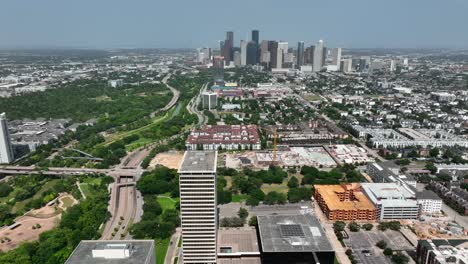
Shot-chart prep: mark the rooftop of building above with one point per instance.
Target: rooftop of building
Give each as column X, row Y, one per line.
column 427, row 195
column 448, row 250
column 238, row 246
column 199, row 161
column 292, row 233
column 140, row 252
column 329, row 194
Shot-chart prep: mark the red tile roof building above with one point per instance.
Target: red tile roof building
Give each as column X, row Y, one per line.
column 230, row 137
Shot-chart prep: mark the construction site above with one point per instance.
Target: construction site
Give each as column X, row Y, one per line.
column 283, row 156
column 438, row 227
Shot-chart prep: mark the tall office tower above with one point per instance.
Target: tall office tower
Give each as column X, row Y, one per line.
column 324, row 56
column 237, row 58
column 392, row 65
column 318, row 57
column 281, row 50
column 265, row 53
column 6, row 150
column 364, row 63
column 210, row 100
column 252, row 56
column 346, row 65
column 218, row 66
column 273, row 54
column 243, row 47
column 255, row 36
column 221, row 48
column 300, row 54
column 336, row 57
column 227, row 48
column 256, row 40
column 197, row 184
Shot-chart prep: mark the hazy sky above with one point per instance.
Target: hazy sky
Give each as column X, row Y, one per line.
column 194, row 23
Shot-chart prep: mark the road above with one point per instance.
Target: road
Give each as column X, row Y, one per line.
column 172, row 103
column 57, row 171
column 123, row 210
column 173, row 250
column 192, row 106
column 462, row 220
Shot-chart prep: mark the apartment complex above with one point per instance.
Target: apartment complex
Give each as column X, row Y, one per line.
column 197, row 184
column 229, row 137
column 442, row 251
column 344, row 202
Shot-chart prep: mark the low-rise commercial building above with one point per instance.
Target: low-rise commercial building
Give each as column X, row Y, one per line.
column 293, row 239
column 344, row 202
column 115, row 252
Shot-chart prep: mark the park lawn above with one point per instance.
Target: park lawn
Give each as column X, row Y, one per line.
column 138, row 143
column 86, row 189
column 161, row 249
column 312, row 97
column 280, row 188
column 67, row 202
column 20, row 205
column 167, row 202
column 237, row 198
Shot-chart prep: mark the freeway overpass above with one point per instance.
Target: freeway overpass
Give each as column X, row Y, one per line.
column 118, row 172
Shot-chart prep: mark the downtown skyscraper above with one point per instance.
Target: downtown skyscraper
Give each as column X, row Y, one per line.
column 227, row 47
column 300, row 54
column 318, row 60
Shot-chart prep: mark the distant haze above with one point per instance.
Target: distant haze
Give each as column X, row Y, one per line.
column 190, row 24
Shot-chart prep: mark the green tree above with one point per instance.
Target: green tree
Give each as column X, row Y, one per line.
column 434, row 152
column 243, row 213
column 388, row 252
column 353, row 227
column 253, row 220
column 381, row 244
column 293, row 182
column 399, row 258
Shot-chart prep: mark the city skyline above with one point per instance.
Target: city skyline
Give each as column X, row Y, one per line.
column 124, row 25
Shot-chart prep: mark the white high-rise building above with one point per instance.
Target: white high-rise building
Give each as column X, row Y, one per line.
column 210, row 100
column 336, row 57
column 197, row 184
column 392, row 65
column 6, row 151
column 243, row 47
column 347, row 65
column 282, row 50
column 318, row 57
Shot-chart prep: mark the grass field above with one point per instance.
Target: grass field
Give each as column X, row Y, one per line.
column 161, row 249
column 312, row 97
column 281, row 188
column 86, row 185
column 167, row 202
column 67, row 202
column 237, row 198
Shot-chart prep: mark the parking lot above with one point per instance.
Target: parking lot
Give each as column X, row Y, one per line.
column 366, row 240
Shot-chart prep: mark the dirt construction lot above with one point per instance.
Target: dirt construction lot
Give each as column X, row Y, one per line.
column 169, row 159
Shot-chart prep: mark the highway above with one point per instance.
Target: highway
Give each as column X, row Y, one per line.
column 192, row 106
column 123, row 210
column 174, row 100
column 56, row 171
